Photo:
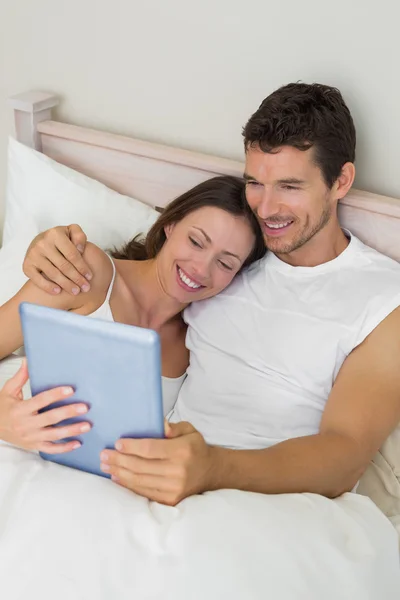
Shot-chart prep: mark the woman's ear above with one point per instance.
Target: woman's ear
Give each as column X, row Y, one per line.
column 168, row 229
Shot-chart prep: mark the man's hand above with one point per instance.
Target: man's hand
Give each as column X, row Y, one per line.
column 54, row 261
column 362, row 409
column 166, row 470
column 22, row 425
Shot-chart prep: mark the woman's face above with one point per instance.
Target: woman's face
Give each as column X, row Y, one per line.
column 203, row 253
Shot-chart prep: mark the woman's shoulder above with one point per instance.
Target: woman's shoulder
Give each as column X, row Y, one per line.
column 101, row 267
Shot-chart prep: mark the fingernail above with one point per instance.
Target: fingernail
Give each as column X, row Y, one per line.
column 75, row 291
column 80, row 248
column 81, row 409
column 85, row 287
column 118, row 445
column 85, row 427
column 88, row 276
column 104, row 467
column 115, row 478
column 104, row 456
column 76, row 446
column 66, row 391
column 56, row 290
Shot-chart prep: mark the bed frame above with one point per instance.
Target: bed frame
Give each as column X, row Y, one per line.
column 155, row 174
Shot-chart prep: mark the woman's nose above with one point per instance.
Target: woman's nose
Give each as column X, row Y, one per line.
column 202, row 268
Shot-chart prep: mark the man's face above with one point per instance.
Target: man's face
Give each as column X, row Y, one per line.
column 288, row 194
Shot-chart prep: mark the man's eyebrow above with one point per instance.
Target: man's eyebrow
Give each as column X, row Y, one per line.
column 248, row 177
column 291, row 181
column 209, row 241
column 285, row 181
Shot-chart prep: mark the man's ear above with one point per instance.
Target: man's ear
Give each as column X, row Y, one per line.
column 345, row 180
column 168, row 229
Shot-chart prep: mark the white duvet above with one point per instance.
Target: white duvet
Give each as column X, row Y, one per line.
column 69, row 535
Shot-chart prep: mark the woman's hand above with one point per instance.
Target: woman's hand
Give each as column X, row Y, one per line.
column 54, row 261
column 22, row 425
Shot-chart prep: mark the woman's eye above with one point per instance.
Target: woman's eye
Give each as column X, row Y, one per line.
column 229, row 268
column 194, row 242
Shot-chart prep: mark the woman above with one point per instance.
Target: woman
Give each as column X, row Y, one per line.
column 192, row 252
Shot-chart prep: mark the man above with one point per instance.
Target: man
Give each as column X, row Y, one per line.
column 294, row 380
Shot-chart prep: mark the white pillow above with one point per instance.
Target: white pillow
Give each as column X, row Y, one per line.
column 12, row 279
column 41, row 193
column 53, row 194
column 12, row 255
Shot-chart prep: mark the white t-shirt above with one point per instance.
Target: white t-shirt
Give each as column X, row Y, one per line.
column 266, row 351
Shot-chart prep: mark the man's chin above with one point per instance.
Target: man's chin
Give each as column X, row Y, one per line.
column 280, row 246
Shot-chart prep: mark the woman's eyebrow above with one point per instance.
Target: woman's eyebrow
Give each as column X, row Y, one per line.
column 231, row 254
column 204, row 233
column 209, row 241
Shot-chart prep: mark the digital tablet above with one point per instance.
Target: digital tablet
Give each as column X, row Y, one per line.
column 115, row 369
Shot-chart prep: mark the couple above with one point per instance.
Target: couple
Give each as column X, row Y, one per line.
column 294, row 379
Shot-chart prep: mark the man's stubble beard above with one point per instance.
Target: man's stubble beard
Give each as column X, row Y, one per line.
column 305, row 235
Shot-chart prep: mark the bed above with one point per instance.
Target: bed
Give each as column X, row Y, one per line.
column 155, row 174
column 67, row 534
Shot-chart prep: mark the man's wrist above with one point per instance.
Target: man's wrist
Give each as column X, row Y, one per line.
column 216, row 472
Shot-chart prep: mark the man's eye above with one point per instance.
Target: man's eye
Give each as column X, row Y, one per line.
column 252, row 183
column 194, row 242
column 290, row 187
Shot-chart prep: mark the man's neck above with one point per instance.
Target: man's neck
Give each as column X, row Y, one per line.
column 324, row 246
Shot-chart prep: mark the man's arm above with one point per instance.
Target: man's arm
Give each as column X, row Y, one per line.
column 54, row 261
column 362, row 410
column 11, row 336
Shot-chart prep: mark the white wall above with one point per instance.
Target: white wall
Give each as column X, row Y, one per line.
column 190, row 73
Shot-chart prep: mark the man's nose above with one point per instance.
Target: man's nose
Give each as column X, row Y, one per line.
column 268, row 204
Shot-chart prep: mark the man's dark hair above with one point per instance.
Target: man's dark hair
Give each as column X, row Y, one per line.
column 303, row 116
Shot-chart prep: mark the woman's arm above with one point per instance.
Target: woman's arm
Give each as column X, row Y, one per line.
column 21, row 423
column 174, row 354
column 10, row 325
column 11, row 333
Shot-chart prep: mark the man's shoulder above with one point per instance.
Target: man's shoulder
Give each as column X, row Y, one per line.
column 373, row 290
column 375, row 256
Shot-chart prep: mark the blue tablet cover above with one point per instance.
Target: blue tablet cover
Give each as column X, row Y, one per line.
column 114, row 368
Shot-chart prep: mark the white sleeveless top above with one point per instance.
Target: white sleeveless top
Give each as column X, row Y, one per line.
column 264, row 353
column 170, row 386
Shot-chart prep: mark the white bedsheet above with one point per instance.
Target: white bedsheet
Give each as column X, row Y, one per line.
column 66, row 534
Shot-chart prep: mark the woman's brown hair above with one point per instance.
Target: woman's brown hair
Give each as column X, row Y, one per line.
column 224, row 192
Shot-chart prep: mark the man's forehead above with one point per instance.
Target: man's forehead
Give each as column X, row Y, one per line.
column 285, row 162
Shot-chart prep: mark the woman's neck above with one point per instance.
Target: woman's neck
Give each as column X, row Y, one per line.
column 155, row 306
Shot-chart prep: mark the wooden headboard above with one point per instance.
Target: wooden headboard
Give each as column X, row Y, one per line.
column 155, row 174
